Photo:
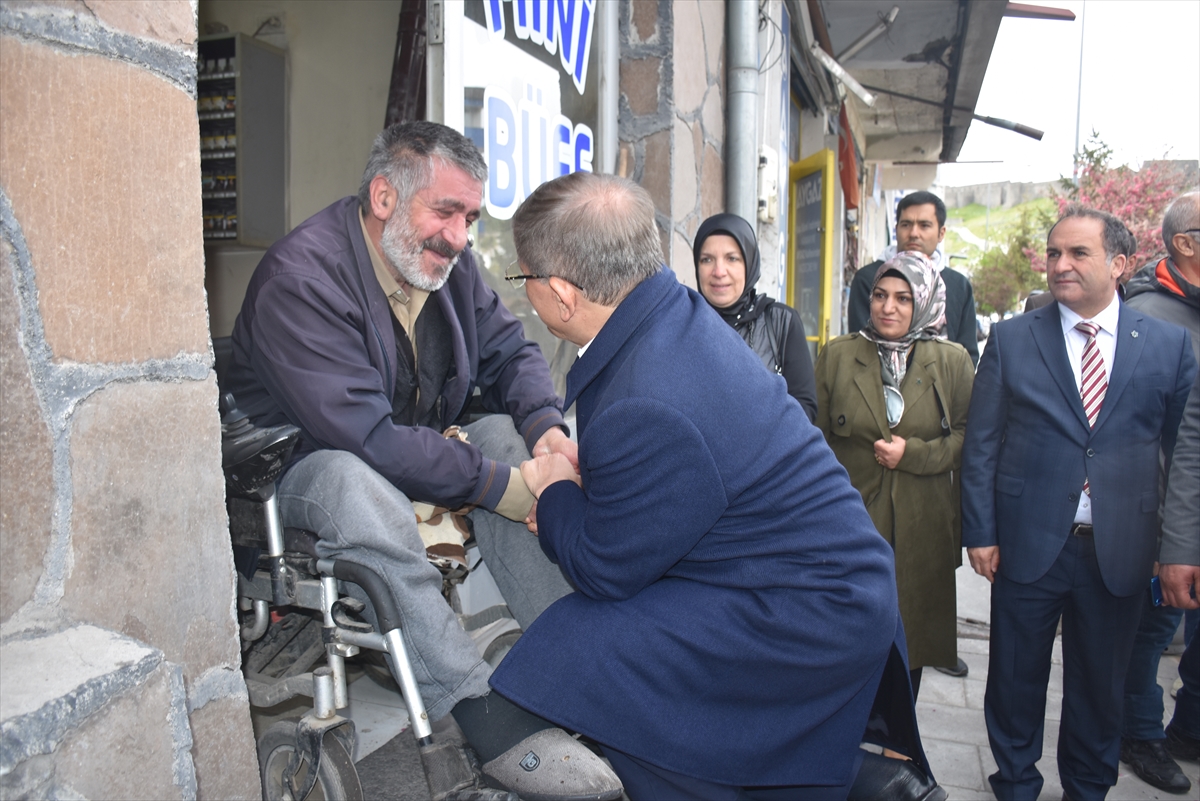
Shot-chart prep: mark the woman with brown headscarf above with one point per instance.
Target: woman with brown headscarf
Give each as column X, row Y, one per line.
column 892, row 403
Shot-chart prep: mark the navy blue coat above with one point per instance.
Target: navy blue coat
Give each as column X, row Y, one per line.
column 1028, row 445
column 314, row 346
column 735, row 606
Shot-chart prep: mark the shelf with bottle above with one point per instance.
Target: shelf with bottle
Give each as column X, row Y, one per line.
column 213, row 68
column 218, row 104
column 218, row 183
column 220, row 210
column 240, row 85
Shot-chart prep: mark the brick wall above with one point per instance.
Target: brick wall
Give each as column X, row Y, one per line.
column 112, row 521
column 672, row 115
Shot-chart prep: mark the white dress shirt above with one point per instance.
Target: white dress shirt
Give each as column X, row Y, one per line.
column 1106, row 341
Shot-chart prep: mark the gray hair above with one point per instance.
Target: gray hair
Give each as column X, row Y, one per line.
column 1182, row 215
column 596, row 231
column 404, row 155
column 1118, row 239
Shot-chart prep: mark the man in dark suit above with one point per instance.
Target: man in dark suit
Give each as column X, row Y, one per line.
column 1071, row 406
column 921, row 226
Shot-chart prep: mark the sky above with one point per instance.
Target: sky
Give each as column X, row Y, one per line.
column 1141, row 90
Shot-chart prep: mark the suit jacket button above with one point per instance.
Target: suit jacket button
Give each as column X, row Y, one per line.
column 841, row 419
column 1090, row 453
column 1072, row 497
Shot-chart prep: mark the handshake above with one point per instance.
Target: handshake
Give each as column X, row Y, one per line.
column 555, row 458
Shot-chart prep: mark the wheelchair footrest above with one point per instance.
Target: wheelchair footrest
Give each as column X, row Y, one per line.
column 266, row 692
column 454, row 774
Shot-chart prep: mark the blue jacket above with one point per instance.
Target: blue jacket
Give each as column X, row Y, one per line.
column 1028, row 446
column 735, row 606
column 314, row 346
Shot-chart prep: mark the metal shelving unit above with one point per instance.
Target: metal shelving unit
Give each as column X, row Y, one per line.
column 240, row 88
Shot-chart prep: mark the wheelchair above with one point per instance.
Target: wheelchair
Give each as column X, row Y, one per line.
column 295, row 617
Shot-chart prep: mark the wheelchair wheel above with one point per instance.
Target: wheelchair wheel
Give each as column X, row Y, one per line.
column 337, row 778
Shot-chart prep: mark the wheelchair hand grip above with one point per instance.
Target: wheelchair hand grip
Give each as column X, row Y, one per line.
column 376, row 589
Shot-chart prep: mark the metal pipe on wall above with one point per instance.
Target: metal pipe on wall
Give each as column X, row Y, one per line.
column 741, row 110
column 608, row 29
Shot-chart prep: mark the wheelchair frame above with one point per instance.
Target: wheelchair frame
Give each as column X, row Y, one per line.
column 291, row 574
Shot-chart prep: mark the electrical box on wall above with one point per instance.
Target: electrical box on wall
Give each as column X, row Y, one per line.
column 768, row 185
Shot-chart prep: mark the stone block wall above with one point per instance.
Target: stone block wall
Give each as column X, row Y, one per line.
column 672, row 115
column 112, row 520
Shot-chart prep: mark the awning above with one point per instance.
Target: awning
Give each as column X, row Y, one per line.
column 936, row 50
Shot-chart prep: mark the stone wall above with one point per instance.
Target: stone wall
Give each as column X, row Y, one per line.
column 672, row 115
column 998, row 195
column 118, row 633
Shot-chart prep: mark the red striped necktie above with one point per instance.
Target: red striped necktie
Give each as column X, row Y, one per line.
column 1094, row 382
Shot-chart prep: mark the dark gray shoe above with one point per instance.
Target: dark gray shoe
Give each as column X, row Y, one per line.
column 1153, row 765
column 551, row 765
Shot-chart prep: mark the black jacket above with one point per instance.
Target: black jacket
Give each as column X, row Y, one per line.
column 1158, row 289
column 777, row 336
column 960, row 306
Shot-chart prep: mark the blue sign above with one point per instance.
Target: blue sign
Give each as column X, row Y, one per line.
column 565, row 26
column 526, row 145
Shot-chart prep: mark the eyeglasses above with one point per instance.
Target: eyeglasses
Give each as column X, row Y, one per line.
column 519, row 278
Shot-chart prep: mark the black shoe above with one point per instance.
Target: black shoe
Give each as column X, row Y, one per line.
column 958, row 671
column 1152, row 764
column 1180, row 746
column 894, row 779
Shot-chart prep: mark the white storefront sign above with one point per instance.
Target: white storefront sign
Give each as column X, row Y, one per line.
column 527, row 138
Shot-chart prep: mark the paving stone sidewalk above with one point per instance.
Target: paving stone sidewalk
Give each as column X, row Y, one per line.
column 950, row 713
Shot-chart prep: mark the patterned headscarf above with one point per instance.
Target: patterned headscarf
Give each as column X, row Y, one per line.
column 929, row 313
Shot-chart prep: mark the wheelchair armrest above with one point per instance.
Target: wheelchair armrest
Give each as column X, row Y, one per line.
column 375, row 588
column 252, row 457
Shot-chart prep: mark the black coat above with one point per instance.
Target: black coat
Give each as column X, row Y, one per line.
column 773, row 330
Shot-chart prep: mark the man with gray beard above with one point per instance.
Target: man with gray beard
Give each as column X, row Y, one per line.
column 369, row 327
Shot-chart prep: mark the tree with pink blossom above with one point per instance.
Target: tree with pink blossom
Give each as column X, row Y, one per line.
column 1137, row 198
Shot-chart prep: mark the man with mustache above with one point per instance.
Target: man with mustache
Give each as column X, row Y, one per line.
column 369, row 327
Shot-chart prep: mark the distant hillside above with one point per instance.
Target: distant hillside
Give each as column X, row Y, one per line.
column 971, row 229
column 1003, row 194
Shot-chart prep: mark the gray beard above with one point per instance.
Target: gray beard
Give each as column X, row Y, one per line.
column 403, row 252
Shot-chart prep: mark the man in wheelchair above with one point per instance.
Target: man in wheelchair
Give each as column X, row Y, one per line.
column 369, row 327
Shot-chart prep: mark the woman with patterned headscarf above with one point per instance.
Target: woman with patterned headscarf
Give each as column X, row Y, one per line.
column 892, row 402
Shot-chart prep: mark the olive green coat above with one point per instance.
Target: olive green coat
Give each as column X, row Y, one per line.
column 916, row 506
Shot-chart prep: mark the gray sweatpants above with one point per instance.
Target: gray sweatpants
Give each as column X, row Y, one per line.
column 362, row 518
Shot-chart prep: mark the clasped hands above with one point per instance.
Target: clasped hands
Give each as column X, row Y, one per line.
column 555, row 458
